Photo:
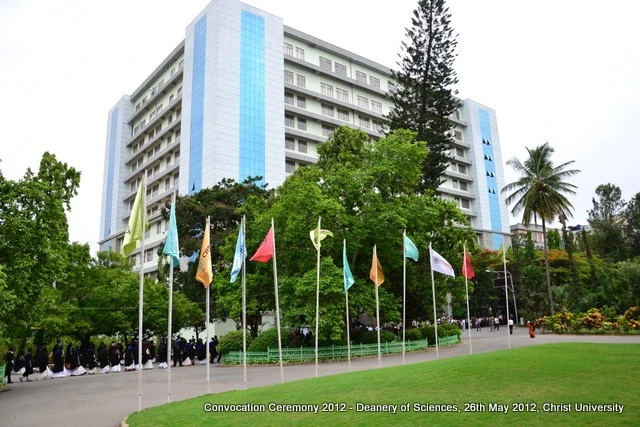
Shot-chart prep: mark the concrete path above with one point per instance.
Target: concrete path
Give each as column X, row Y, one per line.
column 104, row 400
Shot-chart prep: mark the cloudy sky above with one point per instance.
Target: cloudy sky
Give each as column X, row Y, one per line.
column 566, row 72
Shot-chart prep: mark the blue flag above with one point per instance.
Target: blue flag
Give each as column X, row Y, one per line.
column 171, row 247
column 346, row 271
column 239, row 257
column 410, row 250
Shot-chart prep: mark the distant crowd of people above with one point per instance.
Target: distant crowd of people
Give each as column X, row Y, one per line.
column 115, row 357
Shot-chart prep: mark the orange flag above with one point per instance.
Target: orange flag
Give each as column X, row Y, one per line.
column 205, row 272
column 376, row 274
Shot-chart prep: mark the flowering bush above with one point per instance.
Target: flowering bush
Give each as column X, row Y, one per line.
column 593, row 319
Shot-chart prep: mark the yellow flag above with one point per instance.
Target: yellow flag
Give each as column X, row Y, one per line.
column 376, row 274
column 205, row 272
column 318, row 236
column 135, row 233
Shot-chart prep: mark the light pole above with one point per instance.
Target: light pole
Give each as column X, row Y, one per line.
column 498, row 275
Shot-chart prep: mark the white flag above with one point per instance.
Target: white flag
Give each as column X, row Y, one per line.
column 439, row 264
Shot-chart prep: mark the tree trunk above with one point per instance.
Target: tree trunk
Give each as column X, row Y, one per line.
column 546, row 267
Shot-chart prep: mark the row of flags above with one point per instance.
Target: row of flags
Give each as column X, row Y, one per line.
column 266, row 251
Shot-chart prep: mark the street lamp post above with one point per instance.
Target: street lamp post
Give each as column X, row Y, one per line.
column 498, row 275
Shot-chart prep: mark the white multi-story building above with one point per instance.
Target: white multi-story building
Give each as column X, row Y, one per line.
column 244, row 95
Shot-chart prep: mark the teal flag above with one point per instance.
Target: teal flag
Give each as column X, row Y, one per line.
column 171, row 247
column 346, row 271
column 410, row 250
column 239, row 257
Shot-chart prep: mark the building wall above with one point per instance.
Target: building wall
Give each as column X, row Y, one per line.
column 244, row 95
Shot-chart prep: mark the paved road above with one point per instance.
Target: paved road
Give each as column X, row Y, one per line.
column 104, row 400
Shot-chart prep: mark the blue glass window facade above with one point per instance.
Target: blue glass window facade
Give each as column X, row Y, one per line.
column 197, row 106
column 492, row 183
column 113, row 136
column 252, row 97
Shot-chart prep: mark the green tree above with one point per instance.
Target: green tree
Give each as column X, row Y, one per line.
column 539, row 194
column 423, row 100
column 34, row 239
column 554, row 239
column 606, row 223
column 632, row 224
column 365, row 193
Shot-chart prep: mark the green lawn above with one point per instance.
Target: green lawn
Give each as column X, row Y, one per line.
column 523, row 379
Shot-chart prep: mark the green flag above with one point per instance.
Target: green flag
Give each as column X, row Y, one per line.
column 135, row 233
column 410, row 249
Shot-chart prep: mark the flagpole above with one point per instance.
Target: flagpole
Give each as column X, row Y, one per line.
column 506, row 289
column 170, row 317
column 466, row 287
column 404, row 289
column 346, row 295
column 275, row 283
column 317, row 291
column 244, row 304
column 141, row 288
column 433, row 290
column 207, row 296
column 375, row 254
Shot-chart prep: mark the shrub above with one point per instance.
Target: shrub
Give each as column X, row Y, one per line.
column 413, row 334
column 232, row 341
column 593, row 319
column 265, row 340
column 449, row 329
column 429, row 333
column 371, row 337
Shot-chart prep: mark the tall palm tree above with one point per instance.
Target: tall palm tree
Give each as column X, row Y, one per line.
column 539, row 194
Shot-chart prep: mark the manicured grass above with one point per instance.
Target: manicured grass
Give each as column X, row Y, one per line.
column 566, row 374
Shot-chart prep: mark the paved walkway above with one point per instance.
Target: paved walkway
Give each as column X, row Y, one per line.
column 104, row 400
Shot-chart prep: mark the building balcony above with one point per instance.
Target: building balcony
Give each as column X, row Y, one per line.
column 161, row 91
column 158, row 118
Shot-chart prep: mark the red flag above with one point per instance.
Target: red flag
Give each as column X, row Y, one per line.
column 467, row 268
column 265, row 251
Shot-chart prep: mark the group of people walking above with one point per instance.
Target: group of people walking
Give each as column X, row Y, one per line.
column 115, row 357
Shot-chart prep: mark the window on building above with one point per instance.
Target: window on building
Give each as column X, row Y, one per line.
column 374, row 82
column 342, row 95
column 363, row 102
column 326, row 64
column 288, row 49
column 489, row 173
column 464, row 186
column 487, row 157
column 148, row 255
column 364, row 122
column 290, row 166
column 289, row 120
column 462, row 202
column 462, row 169
column 302, row 146
column 327, row 110
column 327, row 130
column 326, row 89
column 171, row 97
column 361, row 77
column 376, row 125
column 376, row 106
column 289, row 143
column 343, row 115
column 300, row 53
column 302, row 102
column 288, row 76
column 159, row 227
column 457, row 135
column 457, row 114
column 288, row 98
column 341, row 69
column 300, row 80
column 302, row 124
column 460, row 152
